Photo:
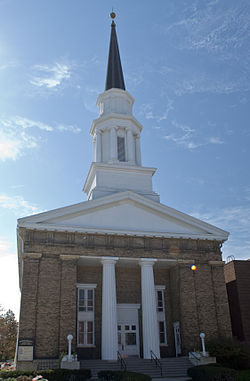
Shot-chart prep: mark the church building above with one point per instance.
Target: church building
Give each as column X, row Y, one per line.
column 120, row 272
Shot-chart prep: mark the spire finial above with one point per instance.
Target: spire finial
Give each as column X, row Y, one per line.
column 112, row 14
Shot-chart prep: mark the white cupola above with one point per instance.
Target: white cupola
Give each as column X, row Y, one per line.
column 116, row 138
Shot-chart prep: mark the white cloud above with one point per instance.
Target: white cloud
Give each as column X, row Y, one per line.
column 18, row 205
column 27, row 123
column 6, row 247
column 187, row 137
column 215, row 140
column 69, row 128
column 147, row 111
column 12, row 145
column 15, row 140
column 50, row 76
column 183, row 135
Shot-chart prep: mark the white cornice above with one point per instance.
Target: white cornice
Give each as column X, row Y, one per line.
column 111, row 92
column 114, row 117
column 79, row 229
column 113, row 167
column 41, row 221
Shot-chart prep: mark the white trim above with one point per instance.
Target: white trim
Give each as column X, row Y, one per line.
column 41, row 221
column 86, row 285
column 128, row 305
column 160, row 288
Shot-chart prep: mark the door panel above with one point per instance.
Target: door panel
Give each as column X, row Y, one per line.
column 128, row 339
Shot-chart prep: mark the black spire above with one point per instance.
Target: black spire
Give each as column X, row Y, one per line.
column 114, row 77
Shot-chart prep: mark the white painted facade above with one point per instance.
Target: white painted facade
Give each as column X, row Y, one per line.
column 117, row 150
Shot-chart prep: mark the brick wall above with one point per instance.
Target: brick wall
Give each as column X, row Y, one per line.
column 52, row 269
column 237, row 274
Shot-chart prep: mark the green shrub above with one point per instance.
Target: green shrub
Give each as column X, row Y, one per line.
column 229, row 353
column 5, row 374
column 50, row 374
column 243, row 375
column 111, row 375
column 211, row 373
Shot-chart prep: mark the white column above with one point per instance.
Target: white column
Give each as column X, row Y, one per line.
column 149, row 315
column 131, row 146
column 138, row 150
column 109, row 310
column 113, row 144
column 98, row 146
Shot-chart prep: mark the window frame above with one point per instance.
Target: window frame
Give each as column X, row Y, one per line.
column 161, row 312
column 87, row 316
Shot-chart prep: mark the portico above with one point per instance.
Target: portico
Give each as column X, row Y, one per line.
column 120, row 322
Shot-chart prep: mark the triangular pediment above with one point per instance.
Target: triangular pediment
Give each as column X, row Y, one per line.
column 124, row 213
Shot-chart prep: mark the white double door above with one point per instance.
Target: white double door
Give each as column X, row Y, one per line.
column 128, row 329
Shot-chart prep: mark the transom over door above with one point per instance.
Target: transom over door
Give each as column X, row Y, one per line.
column 128, row 339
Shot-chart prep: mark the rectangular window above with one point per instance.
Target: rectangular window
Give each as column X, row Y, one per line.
column 85, row 333
column 161, row 315
column 85, row 315
column 162, row 332
column 85, row 300
column 160, row 300
column 121, row 148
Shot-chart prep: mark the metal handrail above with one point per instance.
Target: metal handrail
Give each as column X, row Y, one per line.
column 156, row 361
column 122, row 361
column 196, row 357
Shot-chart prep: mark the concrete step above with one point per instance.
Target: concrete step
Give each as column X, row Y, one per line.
column 171, row 367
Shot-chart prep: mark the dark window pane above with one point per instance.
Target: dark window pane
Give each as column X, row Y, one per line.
column 133, row 327
column 130, row 338
column 126, row 327
column 81, row 338
column 159, row 296
column 81, row 294
column 161, row 326
column 121, row 148
column 90, row 338
column 90, row 326
column 162, row 337
column 90, row 294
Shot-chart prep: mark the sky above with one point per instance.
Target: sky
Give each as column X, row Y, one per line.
column 186, row 63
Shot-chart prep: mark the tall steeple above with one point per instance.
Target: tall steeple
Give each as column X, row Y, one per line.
column 114, row 77
column 116, row 165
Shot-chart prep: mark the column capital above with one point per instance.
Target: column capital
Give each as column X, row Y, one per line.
column 147, row 261
column 109, row 260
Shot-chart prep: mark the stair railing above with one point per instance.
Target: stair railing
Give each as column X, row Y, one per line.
column 192, row 355
column 156, row 361
column 122, row 361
